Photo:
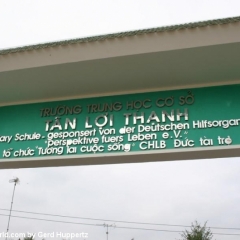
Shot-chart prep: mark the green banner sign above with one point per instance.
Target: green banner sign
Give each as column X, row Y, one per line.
column 156, row 121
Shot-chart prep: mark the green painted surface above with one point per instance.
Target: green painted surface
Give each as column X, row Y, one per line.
column 213, row 120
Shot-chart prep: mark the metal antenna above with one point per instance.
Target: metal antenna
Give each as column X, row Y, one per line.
column 107, row 226
column 15, row 181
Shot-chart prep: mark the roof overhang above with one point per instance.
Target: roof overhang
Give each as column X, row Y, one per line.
column 207, row 54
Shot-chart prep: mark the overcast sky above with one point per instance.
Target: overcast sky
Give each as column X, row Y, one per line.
column 165, row 192
column 35, row 21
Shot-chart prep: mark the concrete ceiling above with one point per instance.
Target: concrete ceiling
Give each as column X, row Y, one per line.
column 182, row 58
column 209, row 65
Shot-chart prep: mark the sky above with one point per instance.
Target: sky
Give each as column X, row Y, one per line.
column 175, row 193
column 28, row 22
